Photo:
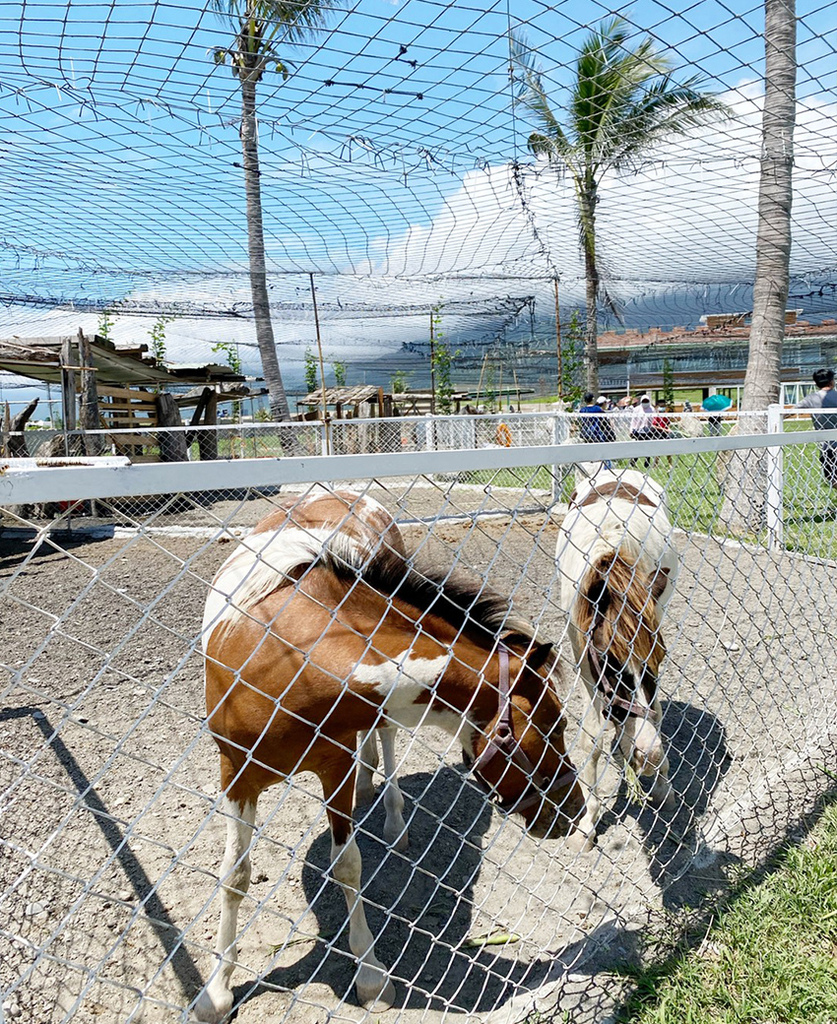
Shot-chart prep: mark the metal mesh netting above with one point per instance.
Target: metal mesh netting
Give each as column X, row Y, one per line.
column 394, row 167
column 113, row 822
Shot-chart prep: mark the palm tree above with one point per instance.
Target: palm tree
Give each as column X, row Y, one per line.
column 623, row 102
column 773, row 243
column 743, row 473
column 260, row 27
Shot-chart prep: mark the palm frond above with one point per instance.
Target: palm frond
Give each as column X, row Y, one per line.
column 268, row 20
column 531, row 94
column 664, row 110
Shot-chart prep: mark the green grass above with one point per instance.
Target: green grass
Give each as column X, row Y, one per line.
column 695, row 498
column 770, row 958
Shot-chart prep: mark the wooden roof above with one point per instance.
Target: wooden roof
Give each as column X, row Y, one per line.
column 342, row 396
column 40, row 359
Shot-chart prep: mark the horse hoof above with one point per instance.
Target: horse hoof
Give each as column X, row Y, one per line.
column 581, row 841
column 397, row 839
column 375, row 992
column 211, row 1010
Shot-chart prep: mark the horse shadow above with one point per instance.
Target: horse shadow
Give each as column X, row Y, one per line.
column 419, row 906
column 672, row 837
column 420, row 903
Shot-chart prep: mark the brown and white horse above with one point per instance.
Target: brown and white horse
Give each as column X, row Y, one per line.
column 317, row 628
column 618, row 565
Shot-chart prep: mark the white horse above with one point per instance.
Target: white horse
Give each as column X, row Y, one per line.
column 618, row 566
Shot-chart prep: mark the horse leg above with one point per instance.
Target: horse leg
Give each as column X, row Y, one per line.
column 661, row 792
column 591, row 746
column 374, row 989
column 642, row 746
column 366, row 765
column 395, row 828
column 215, row 1002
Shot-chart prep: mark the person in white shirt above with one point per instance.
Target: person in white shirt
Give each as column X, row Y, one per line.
column 642, row 424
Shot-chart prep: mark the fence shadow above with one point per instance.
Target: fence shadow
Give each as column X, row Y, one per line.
column 167, row 932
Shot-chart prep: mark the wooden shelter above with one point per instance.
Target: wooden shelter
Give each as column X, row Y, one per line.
column 363, row 401
column 121, row 389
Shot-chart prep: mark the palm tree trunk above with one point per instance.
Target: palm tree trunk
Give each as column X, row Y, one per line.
column 773, row 245
column 255, row 243
column 587, row 211
column 743, row 474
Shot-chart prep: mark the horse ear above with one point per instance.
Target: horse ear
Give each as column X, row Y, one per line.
column 536, row 654
column 541, row 654
column 660, row 582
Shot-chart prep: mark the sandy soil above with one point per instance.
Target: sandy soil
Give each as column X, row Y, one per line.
column 108, row 786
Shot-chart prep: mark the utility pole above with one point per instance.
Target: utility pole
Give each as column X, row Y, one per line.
column 322, row 367
column 432, row 366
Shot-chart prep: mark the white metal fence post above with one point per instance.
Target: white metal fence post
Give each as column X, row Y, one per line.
column 560, row 434
column 774, row 497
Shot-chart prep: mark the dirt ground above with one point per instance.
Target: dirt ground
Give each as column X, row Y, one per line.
column 108, row 785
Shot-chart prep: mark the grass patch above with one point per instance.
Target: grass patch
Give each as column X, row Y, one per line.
column 770, row 958
column 695, row 498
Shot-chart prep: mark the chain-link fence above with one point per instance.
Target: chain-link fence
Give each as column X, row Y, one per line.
column 245, row 440
column 372, row 608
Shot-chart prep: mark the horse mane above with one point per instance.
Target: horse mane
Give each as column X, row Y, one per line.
column 616, row 599
column 464, row 602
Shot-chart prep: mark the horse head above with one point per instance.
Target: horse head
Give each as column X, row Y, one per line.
column 520, row 756
column 625, row 650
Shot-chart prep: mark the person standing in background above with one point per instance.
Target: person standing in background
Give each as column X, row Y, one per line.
column 825, row 397
column 642, row 428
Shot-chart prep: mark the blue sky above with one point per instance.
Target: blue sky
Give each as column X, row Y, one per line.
column 119, row 149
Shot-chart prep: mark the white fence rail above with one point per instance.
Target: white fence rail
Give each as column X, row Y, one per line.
column 113, row 823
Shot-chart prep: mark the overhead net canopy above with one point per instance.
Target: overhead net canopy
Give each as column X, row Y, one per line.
column 394, row 169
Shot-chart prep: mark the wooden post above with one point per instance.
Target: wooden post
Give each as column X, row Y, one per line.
column 479, row 386
column 13, row 430
column 558, row 343
column 172, row 443
column 89, row 395
column 208, row 439
column 6, row 432
column 68, row 393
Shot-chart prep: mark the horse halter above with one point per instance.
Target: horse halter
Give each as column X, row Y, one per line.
column 632, row 708
column 503, row 742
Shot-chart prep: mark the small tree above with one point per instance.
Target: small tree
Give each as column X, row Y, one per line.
column 443, row 367
column 158, row 341
column 339, row 368
column 229, row 349
column 105, row 326
column 310, row 371
column 572, row 358
column 398, row 382
column 442, row 362
column 668, row 385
